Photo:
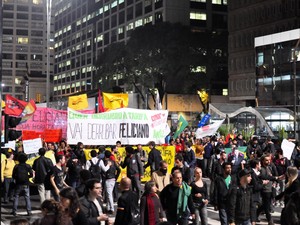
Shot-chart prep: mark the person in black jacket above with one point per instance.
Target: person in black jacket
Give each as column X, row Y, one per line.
column 222, row 189
column 21, row 173
column 291, row 214
column 91, row 203
column 154, row 157
column 134, row 169
column 241, row 206
column 127, row 210
column 180, row 166
column 41, row 167
column 256, row 182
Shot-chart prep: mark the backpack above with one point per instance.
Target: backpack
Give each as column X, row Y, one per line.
column 134, row 212
column 111, row 172
column 95, row 169
column 22, row 176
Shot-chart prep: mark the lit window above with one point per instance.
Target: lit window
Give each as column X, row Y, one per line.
column 22, row 40
column 37, row 2
column 139, row 23
column 114, row 4
column 120, row 30
column 218, row 2
column 59, row 88
column 121, row 1
column 55, row 77
column 199, row 69
column 197, row 16
column 68, row 63
column 198, row 0
column 260, row 58
column 129, row 26
column 100, row 38
column 225, row 92
column 148, row 20
column 55, row 88
column 78, row 22
column 106, row 7
column 77, row 84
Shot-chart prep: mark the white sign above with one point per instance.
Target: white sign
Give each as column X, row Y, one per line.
column 32, row 146
column 10, row 144
column 208, row 130
column 287, row 148
column 130, row 126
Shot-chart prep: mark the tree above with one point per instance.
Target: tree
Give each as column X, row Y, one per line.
column 160, row 56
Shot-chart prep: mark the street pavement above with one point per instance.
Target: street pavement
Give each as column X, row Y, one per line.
column 6, row 209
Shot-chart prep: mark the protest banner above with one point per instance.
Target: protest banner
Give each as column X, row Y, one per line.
column 11, row 145
column 32, row 146
column 52, row 135
column 208, row 130
column 31, row 134
column 167, row 153
column 130, row 126
column 287, row 148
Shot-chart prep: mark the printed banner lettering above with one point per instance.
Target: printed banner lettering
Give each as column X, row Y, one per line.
column 130, row 126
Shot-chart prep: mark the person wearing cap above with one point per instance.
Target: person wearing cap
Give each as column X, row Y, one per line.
column 135, row 169
column 242, row 210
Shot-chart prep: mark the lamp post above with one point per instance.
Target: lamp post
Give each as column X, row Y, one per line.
column 49, row 8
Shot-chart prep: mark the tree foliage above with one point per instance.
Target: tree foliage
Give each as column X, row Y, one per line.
column 159, row 56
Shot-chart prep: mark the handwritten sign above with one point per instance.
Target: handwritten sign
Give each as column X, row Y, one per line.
column 32, row 146
column 288, row 148
column 130, row 126
column 10, row 144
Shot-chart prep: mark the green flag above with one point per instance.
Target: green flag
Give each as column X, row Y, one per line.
column 182, row 123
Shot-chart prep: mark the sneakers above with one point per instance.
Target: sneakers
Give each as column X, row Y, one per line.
column 13, row 213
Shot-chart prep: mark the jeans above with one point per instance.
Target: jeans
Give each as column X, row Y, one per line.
column 136, row 185
column 44, row 194
column 266, row 205
column 8, row 192
column 109, row 188
column 201, row 213
column 247, row 222
column 223, row 217
column 18, row 190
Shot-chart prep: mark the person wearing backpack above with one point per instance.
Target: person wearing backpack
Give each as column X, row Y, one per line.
column 96, row 166
column 110, row 177
column 21, row 173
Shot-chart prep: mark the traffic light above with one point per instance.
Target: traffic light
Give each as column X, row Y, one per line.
column 11, row 133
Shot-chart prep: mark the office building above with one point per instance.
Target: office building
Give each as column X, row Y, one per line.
column 248, row 19
column 25, row 49
column 83, row 28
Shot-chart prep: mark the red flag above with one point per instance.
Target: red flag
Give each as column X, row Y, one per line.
column 100, row 104
column 13, row 106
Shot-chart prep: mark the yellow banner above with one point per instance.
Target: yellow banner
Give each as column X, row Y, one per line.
column 78, row 102
column 167, row 153
column 115, row 101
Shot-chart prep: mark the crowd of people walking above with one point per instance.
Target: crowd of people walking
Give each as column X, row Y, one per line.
column 77, row 191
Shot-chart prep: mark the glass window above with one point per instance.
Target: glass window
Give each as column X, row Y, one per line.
column 218, row 2
column 22, row 40
column 260, row 58
column 37, row 16
column 197, row 16
column 37, row 2
column 22, row 16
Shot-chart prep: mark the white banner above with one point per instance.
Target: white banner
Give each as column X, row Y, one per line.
column 208, row 130
column 130, row 126
column 32, row 146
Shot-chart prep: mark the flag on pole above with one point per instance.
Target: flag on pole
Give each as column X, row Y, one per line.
column 28, row 111
column 78, row 102
column 182, row 123
column 115, row 101
column 100, row 103
column 2, row 104
column 208, row 130
column 14, row 107
column 204, row 120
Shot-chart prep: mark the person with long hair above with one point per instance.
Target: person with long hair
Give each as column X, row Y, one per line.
column 200, row 195
column 151, row 210
column 70, row 211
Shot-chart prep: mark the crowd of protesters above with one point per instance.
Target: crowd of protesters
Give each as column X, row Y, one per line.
column 74, row 190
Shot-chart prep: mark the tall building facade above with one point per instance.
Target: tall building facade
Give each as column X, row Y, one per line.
column 83, row 28
column 25, row 49
column 248, row 19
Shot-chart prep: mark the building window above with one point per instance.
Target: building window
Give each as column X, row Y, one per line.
column 37, row 2
column 198, row 0
column 218, row 2
column 197, row 16
column 225, row 92
column 260, row 58
column 22, row 40
column 199, row 69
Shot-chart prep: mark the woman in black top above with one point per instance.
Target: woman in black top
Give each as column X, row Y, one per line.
column 199, row 195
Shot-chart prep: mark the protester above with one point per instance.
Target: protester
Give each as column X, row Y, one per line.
column 142, row 153
column 208, row 145
column 189, row 158
column 74, row 166
column 20, row 222
column 70, row 211
column 127, row 209
column 42, row 166
column 57, row 177
column 21, row 174
column 135, row 172
column 242, row 210
column 151, row 210
column 236, row 158
column 154, row 158
column 84, row 175
column 79, row 152
column 7, row 167
column 222, row 190
column 49, row 209
column 176, row 200
column 291, row 214
column 180, row 166
column 200, row 198
column 92, row 204
column 96, row 166
column 161, row 177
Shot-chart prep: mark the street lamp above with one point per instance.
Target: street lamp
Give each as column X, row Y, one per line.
column 49, row 8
